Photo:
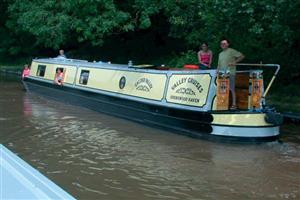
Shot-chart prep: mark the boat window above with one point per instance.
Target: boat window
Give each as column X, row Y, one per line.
column 41, row 70
column 84, row 76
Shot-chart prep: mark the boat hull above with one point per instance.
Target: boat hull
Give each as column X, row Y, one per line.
column 191, row 123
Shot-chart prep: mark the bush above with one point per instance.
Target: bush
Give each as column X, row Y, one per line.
column 189, row 57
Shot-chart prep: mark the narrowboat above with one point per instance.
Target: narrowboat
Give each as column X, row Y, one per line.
column 188, row 101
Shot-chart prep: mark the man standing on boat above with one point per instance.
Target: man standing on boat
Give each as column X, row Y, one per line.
column 228, row 59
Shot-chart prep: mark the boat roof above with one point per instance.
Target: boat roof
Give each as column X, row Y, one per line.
column 109, row 65
column 77, row 62
column 103, row 65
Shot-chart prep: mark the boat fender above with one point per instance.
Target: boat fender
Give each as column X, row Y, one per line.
column 274, row 118
column 190, row 66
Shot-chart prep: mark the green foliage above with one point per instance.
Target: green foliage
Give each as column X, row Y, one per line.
column 56, row 23
column 264, row 30
column 188, row 57
column 284, row 100
column 256, row 23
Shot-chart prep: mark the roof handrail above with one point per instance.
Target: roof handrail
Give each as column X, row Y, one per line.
column 70, row 59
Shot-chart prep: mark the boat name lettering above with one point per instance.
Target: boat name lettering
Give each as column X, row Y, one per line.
column 189, row 80
column 179, row 82
column 196, row 84
column 180, row 98
column 143, row 84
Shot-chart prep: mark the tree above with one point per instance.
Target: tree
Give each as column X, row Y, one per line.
column 264, row 30
column 56, row 23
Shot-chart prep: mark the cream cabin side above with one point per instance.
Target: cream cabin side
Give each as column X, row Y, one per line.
column 48, row 71
column 186, row 90
column 146, row 85
column 191, row 90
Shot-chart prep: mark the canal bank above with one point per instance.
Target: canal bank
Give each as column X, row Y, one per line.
column 11, row 70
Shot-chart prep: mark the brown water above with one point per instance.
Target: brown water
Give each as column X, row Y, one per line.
column 96, row 156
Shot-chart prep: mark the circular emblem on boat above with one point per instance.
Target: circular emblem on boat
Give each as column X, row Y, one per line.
column 122, row 82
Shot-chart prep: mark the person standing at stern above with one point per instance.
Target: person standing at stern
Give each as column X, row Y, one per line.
column 205, row 56
column 227, row 61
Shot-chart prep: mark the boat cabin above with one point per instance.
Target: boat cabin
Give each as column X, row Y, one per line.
column 189, row 88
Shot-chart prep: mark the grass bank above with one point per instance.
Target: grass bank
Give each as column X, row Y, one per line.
column 11, row 69
column 285, row 98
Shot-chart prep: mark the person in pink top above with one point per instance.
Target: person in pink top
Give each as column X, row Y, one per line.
column 205, row 56
column 26, row 71
column 59, row 77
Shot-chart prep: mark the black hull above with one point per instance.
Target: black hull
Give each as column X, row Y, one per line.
column 190, row 123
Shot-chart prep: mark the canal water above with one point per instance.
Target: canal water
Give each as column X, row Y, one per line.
column 96, row 156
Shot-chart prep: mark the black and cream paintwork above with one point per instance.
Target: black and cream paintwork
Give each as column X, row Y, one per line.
column 181, row 100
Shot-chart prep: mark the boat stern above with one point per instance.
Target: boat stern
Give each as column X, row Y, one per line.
column 246, row 125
